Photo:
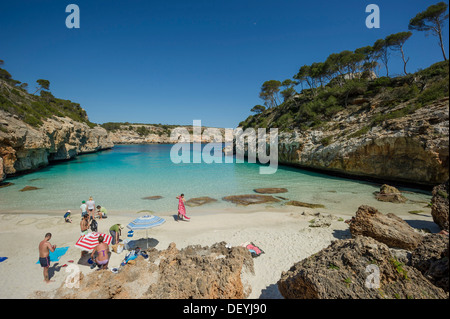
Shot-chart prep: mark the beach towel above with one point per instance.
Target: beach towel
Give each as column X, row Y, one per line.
column 181, row 208
column 3, row 259
column 57, row 254
column 254, row 250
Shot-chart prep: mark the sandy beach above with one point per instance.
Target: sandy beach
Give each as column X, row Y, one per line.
column 283, row 234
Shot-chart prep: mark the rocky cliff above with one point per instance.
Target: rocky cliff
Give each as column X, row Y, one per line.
column 25, row 148
column 160, row 134
column 411, row 149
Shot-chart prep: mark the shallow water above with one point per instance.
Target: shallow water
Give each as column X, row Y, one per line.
column 118, row 179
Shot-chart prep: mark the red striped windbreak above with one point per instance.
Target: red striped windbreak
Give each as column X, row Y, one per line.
column 89, row 241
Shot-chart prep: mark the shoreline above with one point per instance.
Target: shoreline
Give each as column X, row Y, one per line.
column 399, row 183
column 274, row 231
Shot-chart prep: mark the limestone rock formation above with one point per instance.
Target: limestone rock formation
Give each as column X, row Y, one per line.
column 155, row 134
column 193, row 272
column 431, row 259
column 439, row 208
column 348, row 269
column 25, row 148
column 2, row 173
column 412, row 149
column 388, row 229
column 391, row 194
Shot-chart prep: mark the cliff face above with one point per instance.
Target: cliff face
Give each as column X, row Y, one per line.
column 24, row 147
column 410, row 149
column 414, row 148
column 148, row 134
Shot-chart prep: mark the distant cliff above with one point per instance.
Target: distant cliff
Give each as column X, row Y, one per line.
column 129, row 133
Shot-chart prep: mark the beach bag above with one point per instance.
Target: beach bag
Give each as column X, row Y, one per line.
column 94, row 225
column 254, row 250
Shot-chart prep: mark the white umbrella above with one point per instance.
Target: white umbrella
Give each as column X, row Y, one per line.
column 146, row 222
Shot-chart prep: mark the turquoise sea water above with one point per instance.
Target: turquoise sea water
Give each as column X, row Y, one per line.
column 118, row 179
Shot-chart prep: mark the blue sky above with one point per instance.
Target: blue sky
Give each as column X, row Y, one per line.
column 173, row 62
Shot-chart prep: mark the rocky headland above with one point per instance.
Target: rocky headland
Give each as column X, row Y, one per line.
column 25, row 148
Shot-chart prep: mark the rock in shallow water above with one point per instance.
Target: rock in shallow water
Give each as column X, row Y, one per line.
column 301, row 204
column 152, row 197
column 390, row 194
column 198, row 201
column 29, row 188
column 270, row 190
column 250, row 199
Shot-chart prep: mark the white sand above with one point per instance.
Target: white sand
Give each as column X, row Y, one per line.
column 284, row 236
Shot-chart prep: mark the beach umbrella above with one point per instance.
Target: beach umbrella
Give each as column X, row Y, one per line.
column 146, row 222
column 89, row 241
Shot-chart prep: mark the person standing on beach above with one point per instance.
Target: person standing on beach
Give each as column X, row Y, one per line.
column 83, row 208
column 181, row 207
column 91, row 207
column 44, row 255
column 84, row 225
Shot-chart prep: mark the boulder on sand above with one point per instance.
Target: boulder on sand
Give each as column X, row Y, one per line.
column 388, row 229
column 439, row 205
column 347, row 269
column 431, row 259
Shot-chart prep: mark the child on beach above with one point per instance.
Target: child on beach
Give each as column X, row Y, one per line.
column 67, row 217
column 83, row 208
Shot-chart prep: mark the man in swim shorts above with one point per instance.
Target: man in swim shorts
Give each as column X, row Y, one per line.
column 44, row 255
column 84, row 225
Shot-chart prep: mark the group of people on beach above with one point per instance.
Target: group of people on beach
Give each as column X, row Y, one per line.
column 87, row 221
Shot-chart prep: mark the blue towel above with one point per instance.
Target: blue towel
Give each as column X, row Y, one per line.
column 3, row 259
column 57, row 254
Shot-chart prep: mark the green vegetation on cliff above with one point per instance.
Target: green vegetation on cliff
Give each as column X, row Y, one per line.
column 34, row 109
column 310, row 109
column 348, row 81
